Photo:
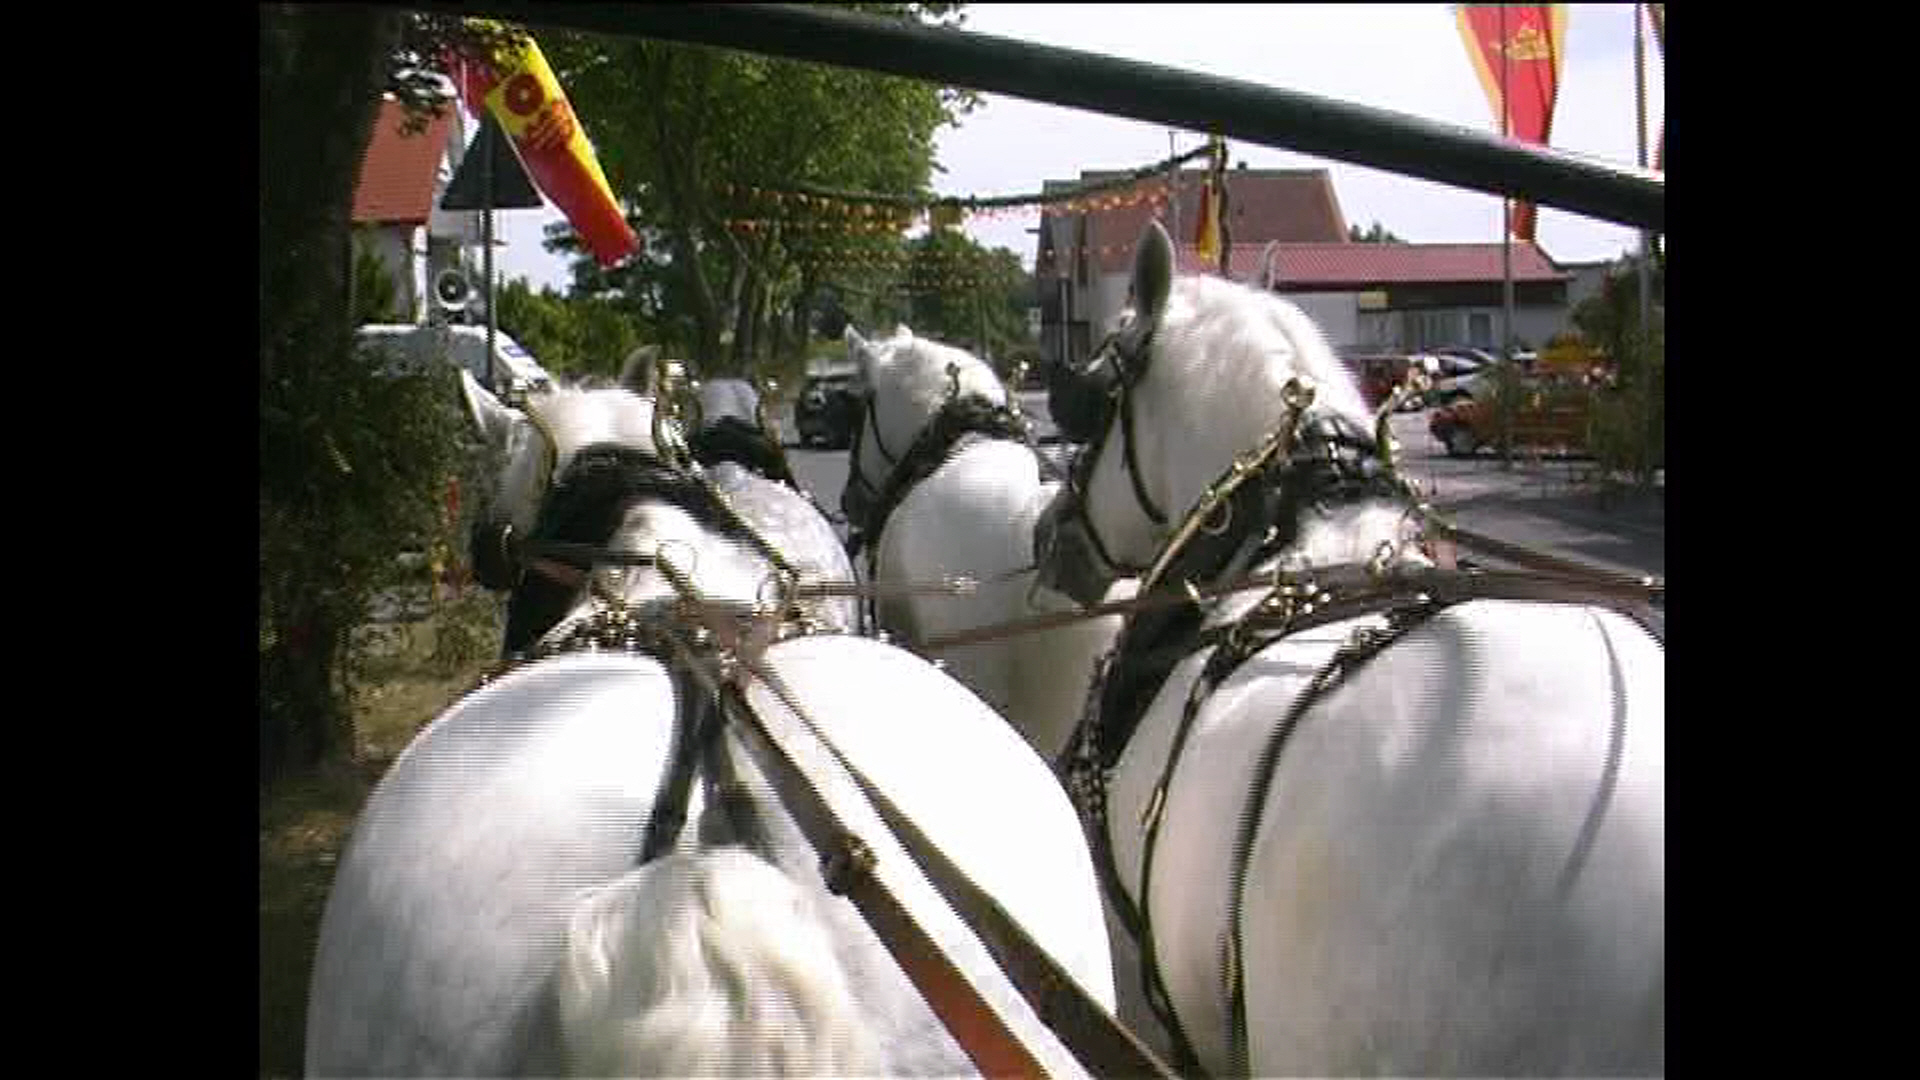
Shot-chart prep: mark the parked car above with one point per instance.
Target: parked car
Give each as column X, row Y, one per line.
column 1552, row 414
column 1455, row 376
column 465, row 346
column 1378, row 374
column 828, row 408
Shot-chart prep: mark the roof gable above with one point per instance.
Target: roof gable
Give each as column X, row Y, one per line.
column 399, row 173
column 1288, row 205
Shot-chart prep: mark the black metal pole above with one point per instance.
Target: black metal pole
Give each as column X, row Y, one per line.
column 1265, row 115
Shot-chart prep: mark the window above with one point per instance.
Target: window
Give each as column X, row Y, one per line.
column 1480, row 330
column 1434, row 329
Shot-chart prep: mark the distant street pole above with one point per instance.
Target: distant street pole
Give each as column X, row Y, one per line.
column 1506, row 204
column 1640, row 123
column 1646, row 239
column 1173, row 191
column 1506, row 241
column 486, row 259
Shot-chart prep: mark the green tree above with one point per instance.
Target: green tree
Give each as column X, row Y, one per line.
column 375, row 300
column 718, row 123
column 352, row 465
column 1629, row 425
column 964, row 293
column 1375, row 234
column 542, row 322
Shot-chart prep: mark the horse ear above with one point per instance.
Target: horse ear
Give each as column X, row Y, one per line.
column 490, row 418
column 1152, row 274
column 853, row 339
column 637, row 376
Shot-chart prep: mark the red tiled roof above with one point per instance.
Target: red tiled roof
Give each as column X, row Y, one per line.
column 398, row 172
column 1366, row 265
column 1289, row 205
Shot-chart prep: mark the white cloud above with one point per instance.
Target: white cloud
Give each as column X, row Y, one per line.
column 1401, row 57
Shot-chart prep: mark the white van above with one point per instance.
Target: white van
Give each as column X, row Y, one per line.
column 466, row 346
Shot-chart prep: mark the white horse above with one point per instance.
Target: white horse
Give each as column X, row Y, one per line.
column 975, row 494
column 493, row 914
column 1458, row 863
column 809, row 543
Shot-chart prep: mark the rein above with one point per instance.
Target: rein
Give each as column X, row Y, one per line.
column 720, row 647
column 714, row 651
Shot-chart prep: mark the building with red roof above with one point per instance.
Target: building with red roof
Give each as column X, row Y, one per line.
column 1285, row 230
column 396, row 212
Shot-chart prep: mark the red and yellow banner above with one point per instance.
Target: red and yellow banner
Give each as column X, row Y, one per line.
column 1518, row 52
column 520, row 90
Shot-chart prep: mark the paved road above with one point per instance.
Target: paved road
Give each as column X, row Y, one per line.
column 1547, row 506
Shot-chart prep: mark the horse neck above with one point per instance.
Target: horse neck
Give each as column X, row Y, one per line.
column 1187, row 444
column 718, row 567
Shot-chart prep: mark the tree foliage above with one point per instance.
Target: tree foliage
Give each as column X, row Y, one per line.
column 966, row 294
column 579, row 335
column 353, row 466
column 1374, row 234
column 684, row 131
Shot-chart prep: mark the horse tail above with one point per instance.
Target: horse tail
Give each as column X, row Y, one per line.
column 713, row 963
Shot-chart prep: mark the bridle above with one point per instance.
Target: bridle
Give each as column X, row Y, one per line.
column 1313, row 459
column 960, row 416
column 1084, row 402
column 857, row 501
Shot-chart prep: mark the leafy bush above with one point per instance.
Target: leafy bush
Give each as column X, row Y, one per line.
column 1629, row 425
column 354, row 471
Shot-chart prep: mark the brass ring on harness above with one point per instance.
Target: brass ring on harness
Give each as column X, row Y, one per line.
column 1224, row 511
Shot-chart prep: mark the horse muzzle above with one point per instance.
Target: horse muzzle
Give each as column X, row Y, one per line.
column 1066, row 556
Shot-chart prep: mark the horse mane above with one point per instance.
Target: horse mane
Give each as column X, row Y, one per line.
column 1254, row 342
column 917, row 371
column 1222, row 356
column 709, row 964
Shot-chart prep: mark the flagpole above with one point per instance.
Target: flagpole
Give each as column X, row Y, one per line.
column 1506, row 202
column 1646, row 236
column 1173, row 189
column 1640, row 123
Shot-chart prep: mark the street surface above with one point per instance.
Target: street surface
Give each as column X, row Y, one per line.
column 1545, row 506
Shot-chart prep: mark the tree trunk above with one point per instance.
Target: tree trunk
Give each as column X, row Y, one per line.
column 681, row 191
column 320, row 74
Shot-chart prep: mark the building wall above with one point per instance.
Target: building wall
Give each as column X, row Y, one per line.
column 1434, row 327
column 1337, row 315
column 393, row 245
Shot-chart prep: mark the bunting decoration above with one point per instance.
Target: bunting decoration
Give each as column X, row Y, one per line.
column 518, row 87
column 1518, row 51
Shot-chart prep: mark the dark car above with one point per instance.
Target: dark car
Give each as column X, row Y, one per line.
column 827, row 410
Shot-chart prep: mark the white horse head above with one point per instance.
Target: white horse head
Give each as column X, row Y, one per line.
column 1478, row 804
column 1207, row 387
column 496, row 912
column 965, row 506
column 541, row 441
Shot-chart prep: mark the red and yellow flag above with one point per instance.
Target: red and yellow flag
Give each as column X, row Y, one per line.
column 1518, row 52
column 520, row 90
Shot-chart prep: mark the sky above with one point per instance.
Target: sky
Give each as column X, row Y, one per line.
column 1406, row 58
